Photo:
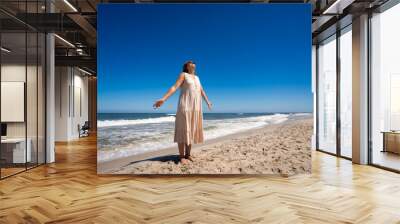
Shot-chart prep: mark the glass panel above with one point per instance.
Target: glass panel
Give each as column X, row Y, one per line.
column 31, row 88
column 31, row 100
column 23, row 90
column 13, row 88
column 346, row 93
column 41, row 98
column 385, row 87
column 327, row 95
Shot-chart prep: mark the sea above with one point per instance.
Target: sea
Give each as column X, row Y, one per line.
column 128, row 134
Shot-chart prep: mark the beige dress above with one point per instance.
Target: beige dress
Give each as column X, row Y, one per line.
column 189, row 115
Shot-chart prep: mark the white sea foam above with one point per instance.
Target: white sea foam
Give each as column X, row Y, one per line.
column 158, row 137
column 111, row 123
column 301, row 114
column 231, row 126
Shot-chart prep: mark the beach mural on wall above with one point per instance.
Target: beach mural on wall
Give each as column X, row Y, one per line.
column 204, row 89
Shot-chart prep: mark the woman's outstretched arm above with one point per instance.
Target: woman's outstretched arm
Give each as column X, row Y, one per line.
column 203, row 93
column 171, row 91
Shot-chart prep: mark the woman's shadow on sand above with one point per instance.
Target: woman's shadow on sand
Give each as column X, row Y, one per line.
column 164, row 159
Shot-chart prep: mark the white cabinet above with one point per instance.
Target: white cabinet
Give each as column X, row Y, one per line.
column 17, row 148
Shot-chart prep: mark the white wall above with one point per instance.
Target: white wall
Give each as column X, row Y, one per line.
column 80, row 109
column 71, row 87
column 62, row 81
column 16, row 72
column 33, row 126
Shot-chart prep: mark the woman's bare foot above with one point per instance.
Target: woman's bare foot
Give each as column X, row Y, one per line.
column 189, row 158
column 183, row 160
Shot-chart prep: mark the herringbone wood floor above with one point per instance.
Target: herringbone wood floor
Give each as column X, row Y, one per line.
column 69, row 191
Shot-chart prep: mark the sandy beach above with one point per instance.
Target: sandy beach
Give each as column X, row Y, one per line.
column 282, row 149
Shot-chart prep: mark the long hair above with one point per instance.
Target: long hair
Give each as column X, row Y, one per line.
column 186, row 66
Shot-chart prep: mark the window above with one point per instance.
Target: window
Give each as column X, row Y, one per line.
column 385, row 89
column 346, row 92
column 327, row 95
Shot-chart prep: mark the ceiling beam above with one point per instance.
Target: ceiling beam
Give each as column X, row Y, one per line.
column 86, row 26
column 81, row 61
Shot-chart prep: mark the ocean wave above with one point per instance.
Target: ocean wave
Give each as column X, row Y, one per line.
column 231, row 126
column 112, row 123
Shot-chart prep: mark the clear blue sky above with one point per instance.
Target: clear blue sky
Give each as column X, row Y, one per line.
column 249, row 57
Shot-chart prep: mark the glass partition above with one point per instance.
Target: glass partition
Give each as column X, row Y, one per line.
column 41, row 96
column 23, row 91
column 31, row 99
column 327, row 95
column 14, row 155
column 31, row 85
column 41, row 88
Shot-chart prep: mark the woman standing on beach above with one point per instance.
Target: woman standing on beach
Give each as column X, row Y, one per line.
column 189, row 115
